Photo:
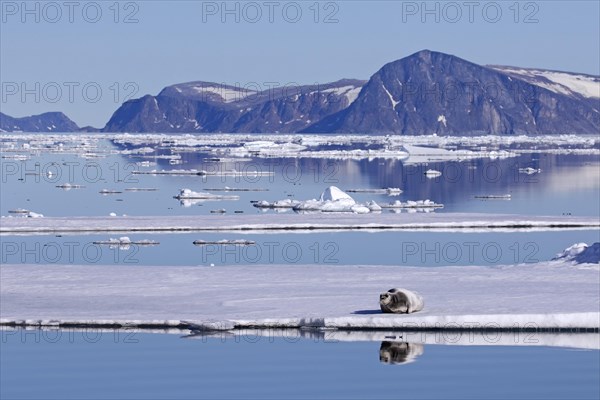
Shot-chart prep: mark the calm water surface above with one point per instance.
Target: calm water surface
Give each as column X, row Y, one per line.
column 316, row 248
column 72, row 364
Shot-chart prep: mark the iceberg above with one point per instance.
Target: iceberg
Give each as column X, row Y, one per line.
column 188, row 194
column 580, row 253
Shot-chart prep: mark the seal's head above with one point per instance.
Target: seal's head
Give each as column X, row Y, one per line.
column 394, row 301
column 385, row 298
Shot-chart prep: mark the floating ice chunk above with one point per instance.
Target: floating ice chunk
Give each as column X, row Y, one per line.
column 285, row 203
column 388, row 191
column 133, row 189
column 333, row 193
column 110, row 191
column 18, row 211
column 268, row 147
column 581, row 253
column 68, row 186
column 332, row 199
column 494, row 196
column 187, row 194
column 124, row 242
column 223, row 242
column 309, row 205
column 432, row 173
column 374, row 207
column 360, row 209
column 530, row 171
column 413, row 204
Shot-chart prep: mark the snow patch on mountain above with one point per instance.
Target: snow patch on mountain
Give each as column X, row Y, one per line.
column 559, row 82
column 394, row 102
column 227, row 94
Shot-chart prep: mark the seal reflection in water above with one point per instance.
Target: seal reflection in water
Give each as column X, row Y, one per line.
column 400, row 301
column 399, row 352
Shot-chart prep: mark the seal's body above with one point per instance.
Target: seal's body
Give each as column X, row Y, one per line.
column 400, row 301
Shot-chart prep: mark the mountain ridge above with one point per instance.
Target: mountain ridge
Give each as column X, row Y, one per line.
column 54, row 121
column 426, row 92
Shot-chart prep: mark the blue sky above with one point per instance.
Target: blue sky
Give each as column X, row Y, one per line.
column 179, row 41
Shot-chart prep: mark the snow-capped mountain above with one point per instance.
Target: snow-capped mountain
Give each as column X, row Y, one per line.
column 46, row 122
column 430, row 92
column 211, row 107
column 424, row 93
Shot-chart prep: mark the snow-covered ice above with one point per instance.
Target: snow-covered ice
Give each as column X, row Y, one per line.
column 581, row 253
column 432, row 173
column 326, row 296
column 273, row 223
column 529, row 171
column 389, row 191
column 188, row 194
column 334, row 200
column 412, row 204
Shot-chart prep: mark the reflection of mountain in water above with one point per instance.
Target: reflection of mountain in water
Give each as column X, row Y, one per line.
column 399, row 352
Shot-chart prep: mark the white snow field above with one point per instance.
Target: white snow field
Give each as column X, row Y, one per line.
column 550, row 295
column 295, row 222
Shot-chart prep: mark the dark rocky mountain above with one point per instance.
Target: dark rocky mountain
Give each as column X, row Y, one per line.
column 430, row 92
column 46, row 122
column 424, row 93
column 211, row 107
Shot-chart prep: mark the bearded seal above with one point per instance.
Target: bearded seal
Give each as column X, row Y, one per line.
column 400, row 301
column 399, row 352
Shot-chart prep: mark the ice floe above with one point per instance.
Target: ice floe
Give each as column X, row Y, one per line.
column 22, row 212
column 272, row 223
column 581, row 253
column 69, row 186
column 493, row 196
column 188, row 194
column 332, row 200
column 388, row 191
column 126, row 241
column 513, row 297
column 530, row 171
column 432, row 173
column 412, row 204
column 412, row 149
column 225, row 242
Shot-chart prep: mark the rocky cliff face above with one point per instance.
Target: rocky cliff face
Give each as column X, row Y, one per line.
column 431, row 92
column 209, row 107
